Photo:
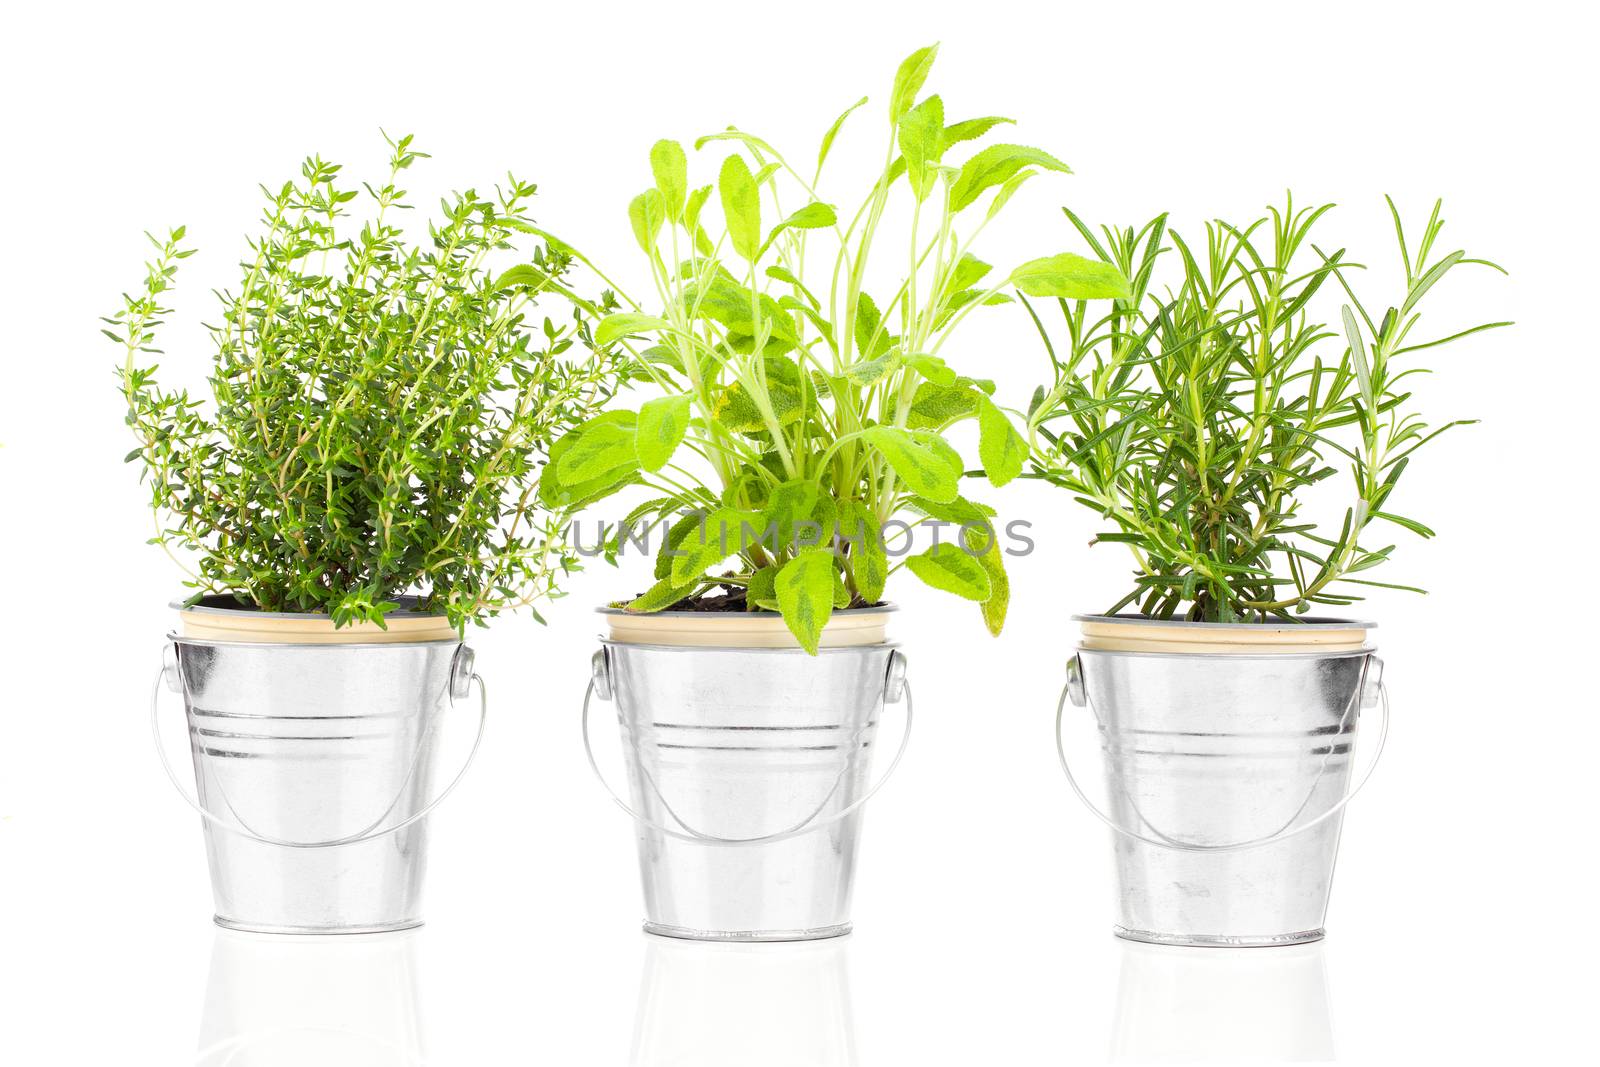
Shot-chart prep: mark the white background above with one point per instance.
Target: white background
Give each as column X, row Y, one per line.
column 1461, row 926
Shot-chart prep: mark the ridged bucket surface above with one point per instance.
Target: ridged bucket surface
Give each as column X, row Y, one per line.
column 315, row 743
column 735, row 744
column 1215, row 752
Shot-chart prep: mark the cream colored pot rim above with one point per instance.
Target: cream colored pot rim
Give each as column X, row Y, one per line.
column 847, row 627
column 1178, row 653
column 796, row 650
column 224, row 620
column 224, row 604
column 330, row 646
column 1310, row 623
column 764, row 614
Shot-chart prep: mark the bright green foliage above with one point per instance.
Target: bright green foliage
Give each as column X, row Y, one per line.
column 1196, row 417
column 817, row 408
column 381, row 409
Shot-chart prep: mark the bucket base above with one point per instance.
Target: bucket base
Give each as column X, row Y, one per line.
column 1218, row 940
column 687, row 934
column 258, row 928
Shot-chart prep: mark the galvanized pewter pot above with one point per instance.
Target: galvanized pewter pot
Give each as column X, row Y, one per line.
column 313, row 765
column 748, row 769
column 1228, row 762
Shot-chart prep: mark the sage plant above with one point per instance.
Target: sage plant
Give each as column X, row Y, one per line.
column 798, row 413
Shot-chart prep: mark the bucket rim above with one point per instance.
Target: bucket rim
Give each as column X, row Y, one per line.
column 210, row 642
column 1275, row 657
column 206, row 606
column 785, row 650
column 1310, row 623
column 877, row 609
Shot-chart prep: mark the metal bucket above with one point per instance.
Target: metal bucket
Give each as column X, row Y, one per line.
column 312, row 765
column 748, row 769
column 1227, row 777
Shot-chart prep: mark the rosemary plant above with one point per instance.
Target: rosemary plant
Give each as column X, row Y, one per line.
column 1195, row 417
column 813, row 413
column 380, row 410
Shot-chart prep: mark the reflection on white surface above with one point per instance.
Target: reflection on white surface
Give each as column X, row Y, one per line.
column 1188, row 1005
column 335, row 1001
column 707, row 1004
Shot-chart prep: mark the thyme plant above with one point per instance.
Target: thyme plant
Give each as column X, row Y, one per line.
column 1194, row 416
column 809, row 411
column 381, row 409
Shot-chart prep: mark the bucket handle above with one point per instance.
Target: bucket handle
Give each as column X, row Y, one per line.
column 896, row 690
column 1076, row 691
column 169, row 676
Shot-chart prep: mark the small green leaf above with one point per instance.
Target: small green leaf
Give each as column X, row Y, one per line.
column 833, row 132
column 600, row 446
column 868, row 559
column 969, row 271
column 1008, row 189
column 1400, row 520
column 1358, row 355
column 662, row 424
column 661, row 596
column 993, row 166
column 992, row 560
column 871, row 371
column 867, row 321
column 673, row 541
column 790, row 504
column 909, row 79
column 813, row 216
column 762, row 589
column 671, row 169
column 804, row 590
column 920, row 132
column 932, row 368
column 647, row 214
column 965, row 297
column 555, row 493
column 960, row 511
column 624, row 323
column 789, row 277
column 725, row 301
column 722, row 533
column 972, row 129
column 1071, row 277
column 936, row 444
column 934, row 406
column 737, row 410
column 523, row 276
column 694, row 205
column 949, row 568
column 741, row 206
column 924, row 468
column 841, row 592
column 1000, row 446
